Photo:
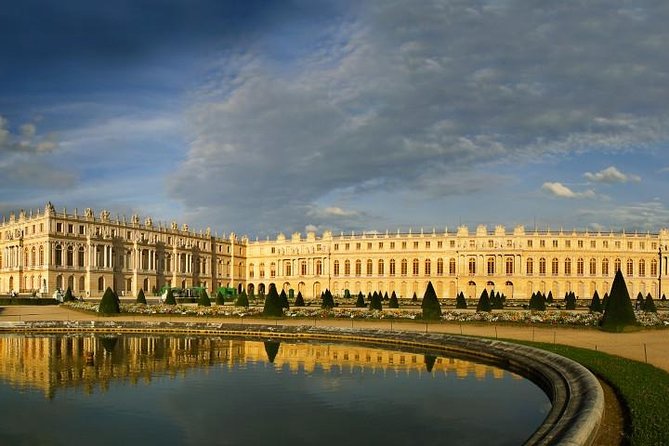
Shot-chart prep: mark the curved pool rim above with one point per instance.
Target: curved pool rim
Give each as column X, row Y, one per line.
column 577, row 399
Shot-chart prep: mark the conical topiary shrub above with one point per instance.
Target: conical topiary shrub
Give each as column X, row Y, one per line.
column 639, row 301
column 169, row 299
column 220, row 298
column 619, row 312
column 272, row 348
column 284, row 300
column 649, row 305
column 68, row 297
column 484, row 302
column 460, row 301
column 537, row 302
column 430, row 304
column 141, row 298
column 393, row 302
column 272, row 303
column 596, row 304
column 327, row 301
column 347, row 294
column 376, row 302
column 109, row 303
column 414, row 298
column 242, row 300
column 429, row 362
column 203, row 300
column 360, row 303
column 299, row 300
column 385, row 295
column 570, row 301
column 605, row 300
column 549, row 298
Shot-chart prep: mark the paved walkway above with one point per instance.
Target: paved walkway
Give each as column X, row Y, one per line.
column 650, row 346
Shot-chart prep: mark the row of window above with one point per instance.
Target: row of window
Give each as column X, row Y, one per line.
column 339, row 268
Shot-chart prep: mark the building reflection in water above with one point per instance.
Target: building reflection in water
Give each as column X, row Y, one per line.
column 48, row 363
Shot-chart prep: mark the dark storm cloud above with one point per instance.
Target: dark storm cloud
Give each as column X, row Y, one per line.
column 408, row 88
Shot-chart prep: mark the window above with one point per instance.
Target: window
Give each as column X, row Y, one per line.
column 642, row 245
column 629, row 245
column 347, row 267
column 380, row 245
column 542, row 266
column 472, row 266
column 579, row 266
column 427, row 245
column 392, row 245
column 617, row 265
column 491, row 243
column 440, row 244
column 529, row 243
column 653, row 267
column 416, row 266
column 81, row 257
column 509, row 266
column 369, row 245
column 580, row 243
column 452, row 243
column 347, row 246
column 415, row 245
column 440, row 267
column 491, row 266
column 593, row 267
column 303, row 268
column 251, row 270
column 404, row 245
column 357, row 246
column 542, row 243
column 288, row 268
column 261, row 270
column 392, row 267
column 555, row 266
column 380, row 268
column 617, row 244
column 567, row 267
column 530, row 267
column 642, row 268
column 630, row 267
column 319, row 267
column 605, row 267
column 70, row 228
column 451, row 266
column 555, row 243
column 370, row 266
column 593, row 244
column 404, row 267
column 428, row 267
column 59, row 255
column 336, row 247
column 335, row 268
column 272, row 269
column 472, row 243
column 605, row 243
column 567, row 243
column 59, row 227
column 358, row 267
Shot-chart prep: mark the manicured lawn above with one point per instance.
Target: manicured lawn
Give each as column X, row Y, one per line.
column 644, row 389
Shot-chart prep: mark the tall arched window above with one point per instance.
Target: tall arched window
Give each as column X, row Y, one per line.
column 41, row 255
column 491, row 266
column 642, row 268
column 380, row 268
column 567, row 267
column 630, row 267
column 252, row 270
column 32, row 257
column 555, row 266
column 335, row 268
column 358, row 267
column 593, row 266
column 303, row 267
column 509, row 266
column 288, row 268
column 440, row 267
column 579, row 266
column 605, row 267
column 451, row 266
column 653, row 267
column 59, row 255
column 404, row 267
column 70, row 256
column 261, row 270
column 319, row 267
column 416, row 266
column 392, row 267
column 472, row 266
column 617, row 264
column 542, row 266
column 370, row 267
column 530, row 266
column 428, row 267
column 347, row 268
column 272, row 269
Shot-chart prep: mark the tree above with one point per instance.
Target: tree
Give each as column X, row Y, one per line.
column 414, row 298
column 203, row 300
column 376, row 302
column 242, row 300
column 272, row 305
column 484, row 302
column 347, row 294
column 605, row 300
column 385, row 296
column 618, row 313
column 496, row 301
column 639, row 301
column 596, row 304
column 141, row 298
column 571, row 301
column 360, row 303
column 68, row 297
column 369, row 296
column 169, row 299
column 299, row 300
column 537, row 302
column 328, row 302
column 649, row 305
column 460, row 301
column 109, row 303
column 272, row 348
column 430, row 304
column 220, row 298
column 393, row 302
column 284, row 300
column 393, row 295
column 429, row 362
column 664, row 297
column 549, row 298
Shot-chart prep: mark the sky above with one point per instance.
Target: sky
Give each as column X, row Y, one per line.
column 262, row 117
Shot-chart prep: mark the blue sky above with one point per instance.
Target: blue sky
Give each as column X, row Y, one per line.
column 261, row 116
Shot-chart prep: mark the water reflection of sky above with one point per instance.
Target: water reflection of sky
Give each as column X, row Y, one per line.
column 233, row 401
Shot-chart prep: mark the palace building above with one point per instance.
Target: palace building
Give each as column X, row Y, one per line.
column 44, row 250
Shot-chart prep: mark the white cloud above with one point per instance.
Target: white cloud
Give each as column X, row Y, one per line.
column 611, row 175
column 26, row 141
column 562, row 191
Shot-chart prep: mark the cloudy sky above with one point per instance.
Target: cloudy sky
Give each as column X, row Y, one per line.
column 268, row 116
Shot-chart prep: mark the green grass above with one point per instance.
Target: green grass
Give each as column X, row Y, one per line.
column 644, row 389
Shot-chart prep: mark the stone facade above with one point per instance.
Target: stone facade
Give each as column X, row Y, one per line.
column 44, row 250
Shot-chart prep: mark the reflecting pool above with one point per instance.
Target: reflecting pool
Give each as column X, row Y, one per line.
column 153, row 390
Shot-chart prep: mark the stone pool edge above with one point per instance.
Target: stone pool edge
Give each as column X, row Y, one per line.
column 576, row 396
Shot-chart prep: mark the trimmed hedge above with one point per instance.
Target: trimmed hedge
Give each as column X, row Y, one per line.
column 28, row 301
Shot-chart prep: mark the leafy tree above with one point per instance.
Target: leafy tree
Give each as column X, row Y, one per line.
column 141, row 298
column 220, row 298
column 327, row 300
column 203, row 300
column 284, row 300
column 169, row 299
column 460, row 301
column 360, row 303
column 430, row 304
column 649, row 305
column 299, row 300
column 618, row 312
column 414, row 298
column 272, row 303
column 571, row 301
column 109, row 303
column 484, row 302
column 242, row 300
column 596, row 304
column 376, row 302
column 393, row 302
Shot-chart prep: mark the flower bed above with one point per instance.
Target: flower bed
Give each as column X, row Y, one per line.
column 550, row 317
